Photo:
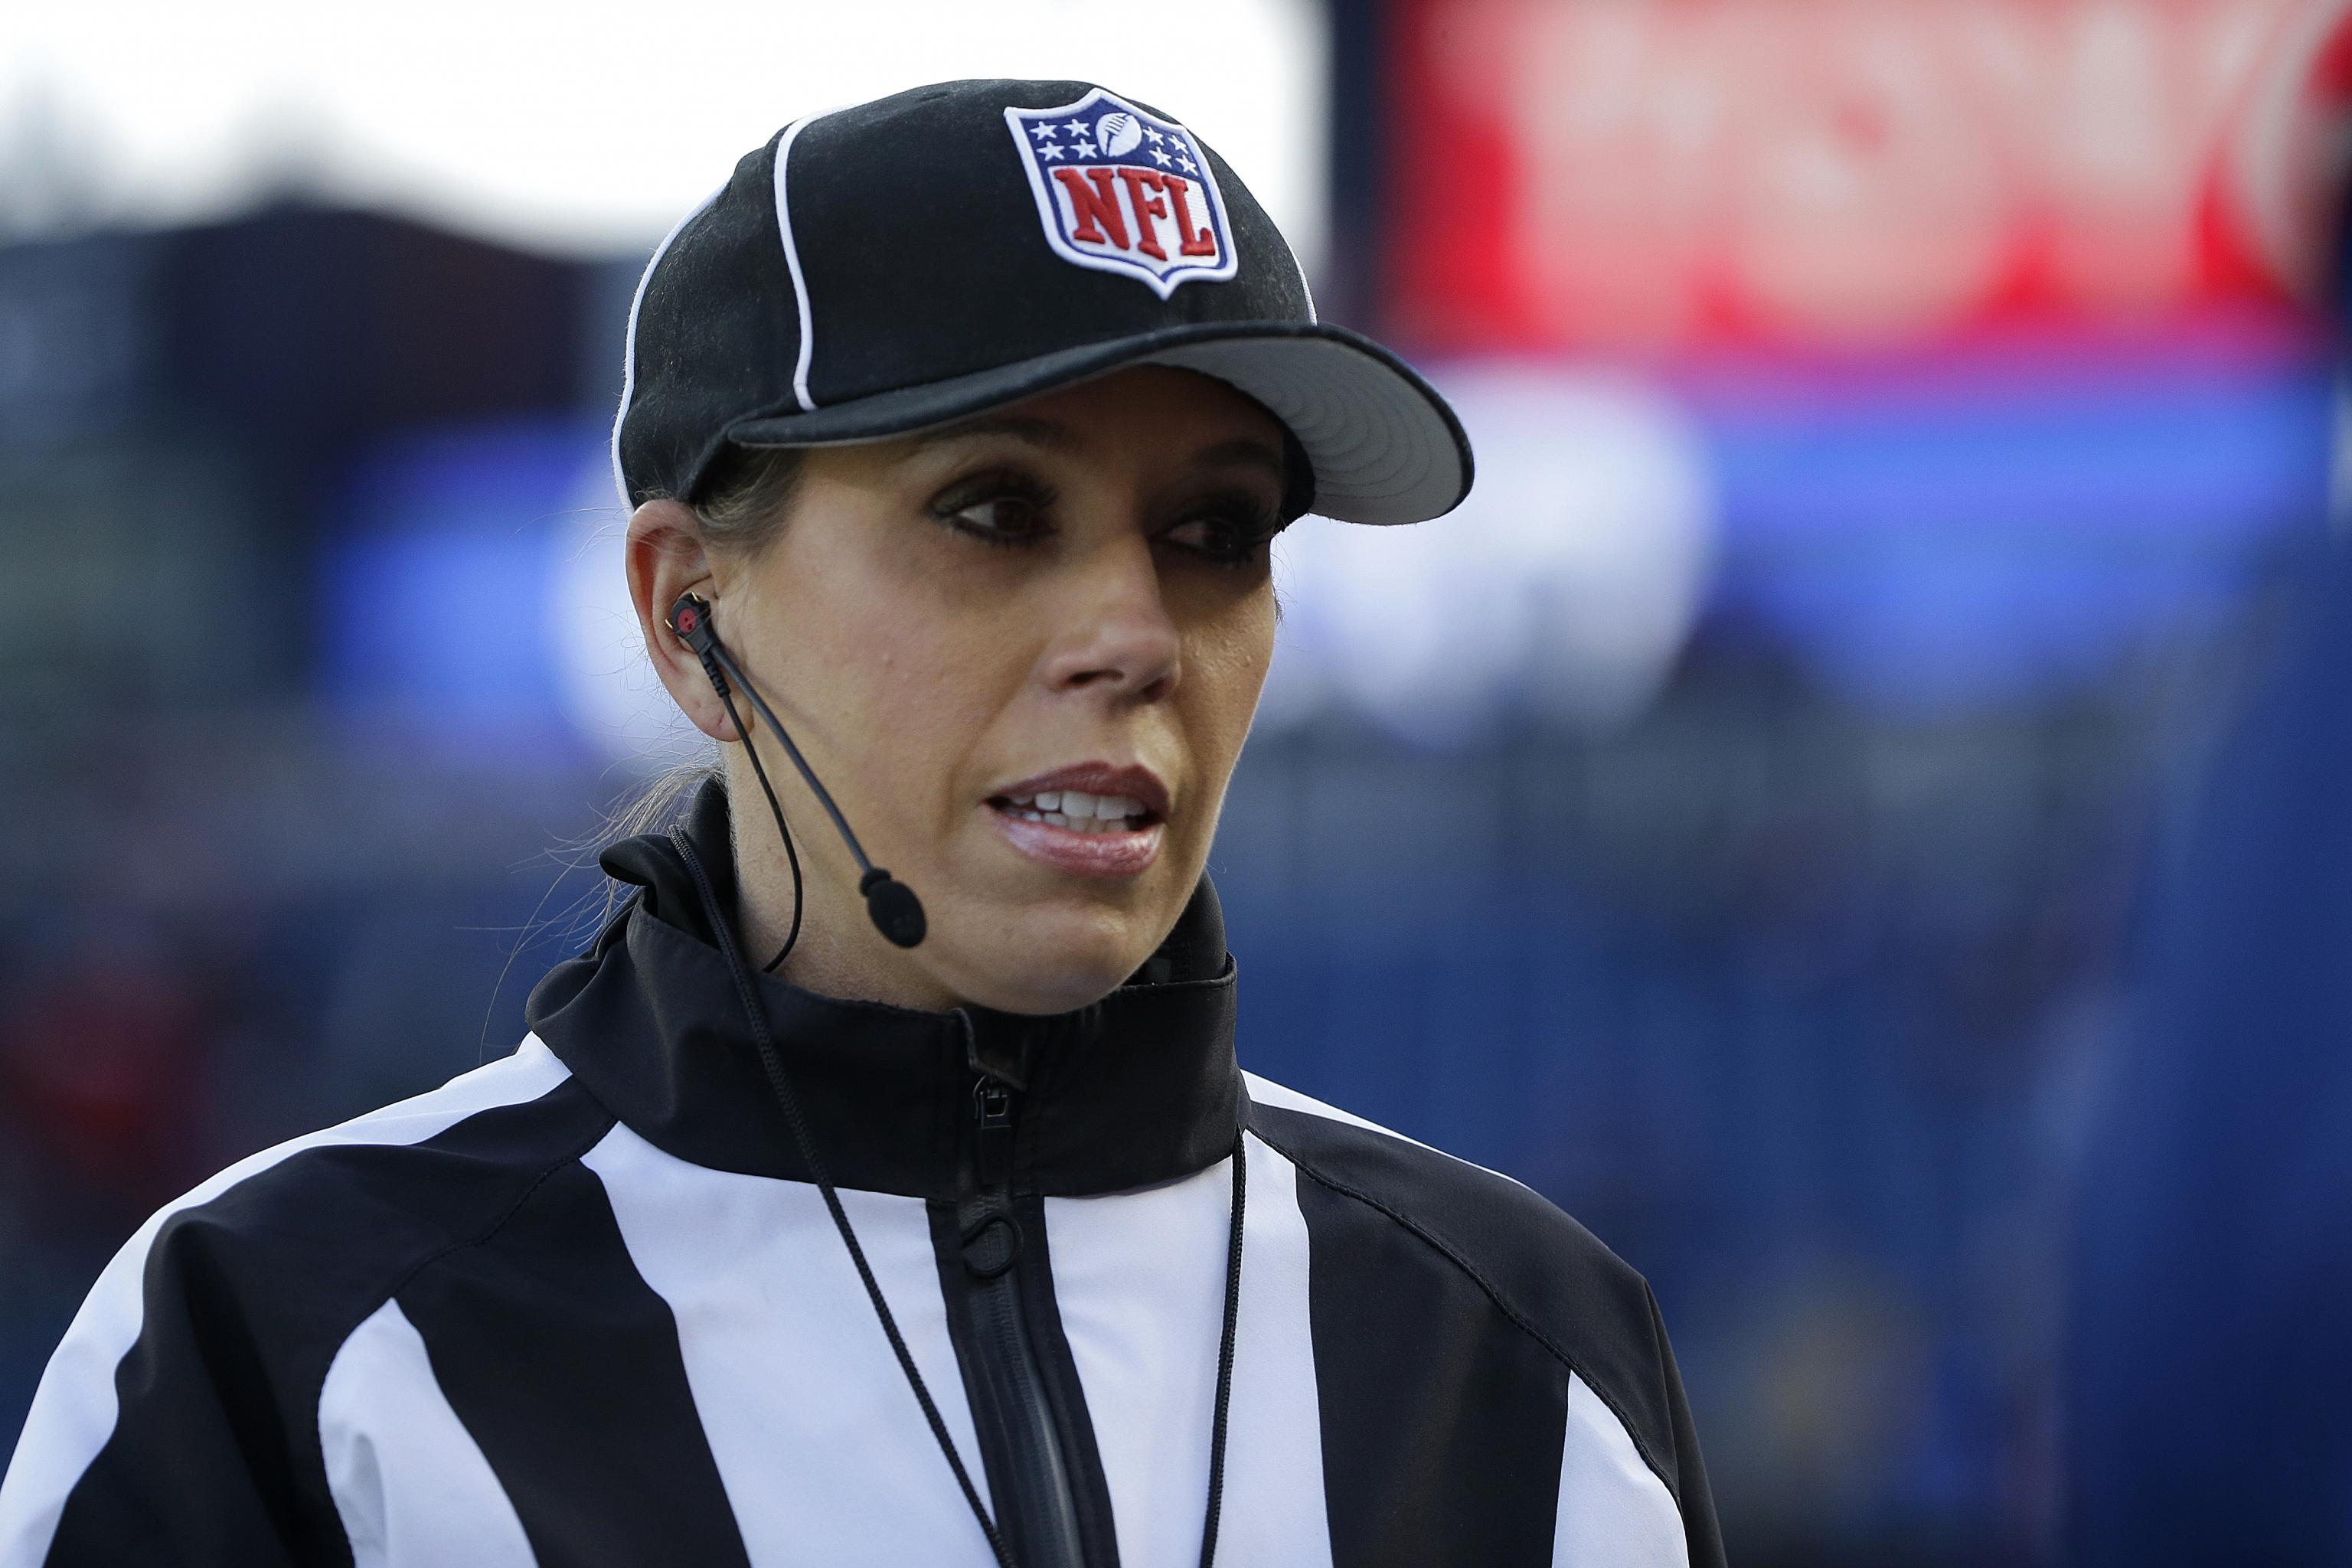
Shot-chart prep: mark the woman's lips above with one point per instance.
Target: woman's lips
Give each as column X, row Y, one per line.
column 1134, row 783
column 1117, row 852
column 1091, row 818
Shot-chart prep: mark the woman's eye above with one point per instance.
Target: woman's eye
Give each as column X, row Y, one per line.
column 1228, row 540
column 1003, row 515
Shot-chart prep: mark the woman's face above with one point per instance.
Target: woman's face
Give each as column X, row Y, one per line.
column 978, row 635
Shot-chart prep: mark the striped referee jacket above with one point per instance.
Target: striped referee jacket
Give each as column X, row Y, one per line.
column 583, row 1306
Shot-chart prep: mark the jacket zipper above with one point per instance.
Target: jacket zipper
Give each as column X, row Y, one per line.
column 1044, row 1503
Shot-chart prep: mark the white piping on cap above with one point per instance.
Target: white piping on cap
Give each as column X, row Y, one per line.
column 629, row 344
column 793, row 254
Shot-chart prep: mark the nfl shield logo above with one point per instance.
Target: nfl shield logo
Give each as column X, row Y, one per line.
column 1122, row 191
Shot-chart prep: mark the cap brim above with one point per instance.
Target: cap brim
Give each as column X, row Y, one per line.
column 1384, row 445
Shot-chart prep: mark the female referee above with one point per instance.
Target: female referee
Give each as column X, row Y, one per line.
column 892, row 1195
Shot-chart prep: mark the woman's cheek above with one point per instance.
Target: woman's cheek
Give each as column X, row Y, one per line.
column 936, row 702
column 1233, row 662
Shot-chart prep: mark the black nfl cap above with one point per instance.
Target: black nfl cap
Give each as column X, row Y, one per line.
column 905, row 263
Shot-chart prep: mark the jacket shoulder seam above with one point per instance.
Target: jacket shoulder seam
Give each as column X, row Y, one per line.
column 530, row 1190
column 1494, row 1293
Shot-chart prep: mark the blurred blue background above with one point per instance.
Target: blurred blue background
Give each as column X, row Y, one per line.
column 1741, row 822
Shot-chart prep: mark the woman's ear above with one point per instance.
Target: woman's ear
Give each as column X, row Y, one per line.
column 666, row 559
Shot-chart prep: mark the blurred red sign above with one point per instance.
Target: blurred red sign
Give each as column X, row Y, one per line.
column 1663, row 174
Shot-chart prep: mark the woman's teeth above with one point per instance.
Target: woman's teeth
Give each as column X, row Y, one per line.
column 1077, row 810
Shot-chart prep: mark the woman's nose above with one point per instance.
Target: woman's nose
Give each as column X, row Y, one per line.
column 1118, row 639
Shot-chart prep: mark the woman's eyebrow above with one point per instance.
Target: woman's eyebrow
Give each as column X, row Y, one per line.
column 1242, row 452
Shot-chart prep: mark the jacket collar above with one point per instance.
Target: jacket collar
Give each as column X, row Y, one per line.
column 1139, row 1089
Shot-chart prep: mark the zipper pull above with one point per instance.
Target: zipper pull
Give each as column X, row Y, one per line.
column 992, row 1110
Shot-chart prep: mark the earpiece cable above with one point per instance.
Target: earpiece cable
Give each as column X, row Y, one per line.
column 752, row 749
column 892, row 905
column 767, row 716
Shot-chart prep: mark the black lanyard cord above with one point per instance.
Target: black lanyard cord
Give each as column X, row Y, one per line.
column 1225, row 1355
column 722, row 929
column 789, row 1103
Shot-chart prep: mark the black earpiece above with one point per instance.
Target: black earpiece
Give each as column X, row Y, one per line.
column 896, row 913
column 689, row 622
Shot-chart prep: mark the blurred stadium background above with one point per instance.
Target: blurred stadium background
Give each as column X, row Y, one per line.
column 1897, row 425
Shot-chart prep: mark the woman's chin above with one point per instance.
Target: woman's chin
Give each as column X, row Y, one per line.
column 1042, row 988
column 1045, row 963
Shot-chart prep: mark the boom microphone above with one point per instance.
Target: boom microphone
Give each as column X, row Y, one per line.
column 896, row 913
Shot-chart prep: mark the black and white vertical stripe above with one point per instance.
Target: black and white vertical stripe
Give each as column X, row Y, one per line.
column 494, row 1326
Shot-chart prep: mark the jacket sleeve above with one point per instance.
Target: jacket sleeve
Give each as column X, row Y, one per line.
column 157, row 1434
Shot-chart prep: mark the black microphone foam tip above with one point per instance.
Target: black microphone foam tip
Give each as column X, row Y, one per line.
column 897, row 913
